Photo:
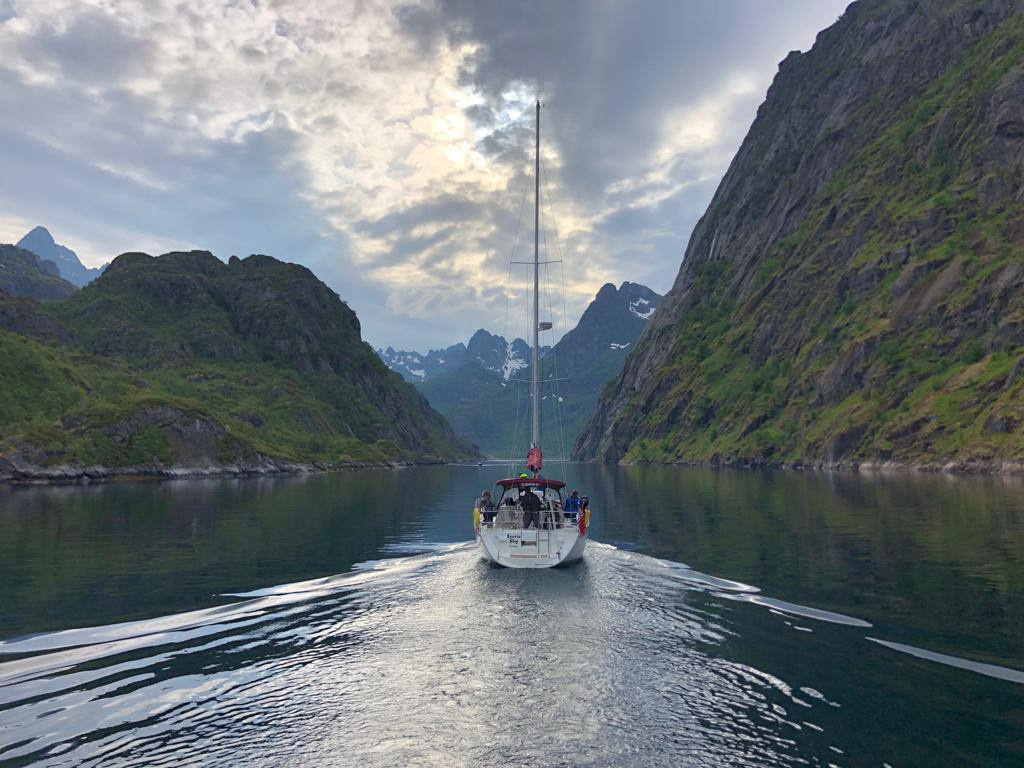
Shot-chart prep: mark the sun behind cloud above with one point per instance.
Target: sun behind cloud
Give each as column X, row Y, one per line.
column 388, row 147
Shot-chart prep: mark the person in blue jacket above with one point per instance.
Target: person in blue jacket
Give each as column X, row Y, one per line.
column 572, row 504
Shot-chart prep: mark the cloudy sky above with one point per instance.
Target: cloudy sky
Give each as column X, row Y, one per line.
column 387, row 146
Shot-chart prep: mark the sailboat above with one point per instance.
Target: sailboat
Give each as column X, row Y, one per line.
column 532, row 525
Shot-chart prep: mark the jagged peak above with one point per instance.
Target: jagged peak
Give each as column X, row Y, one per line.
column 126, row 260
column 482, row 333
column 628, row 286
column 483, row 340
column 186, row 260
column 260, row 259
column 40, row 231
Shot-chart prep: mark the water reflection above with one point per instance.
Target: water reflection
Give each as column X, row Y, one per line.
column 912, row 552
column 410, row 662
column 744, row 619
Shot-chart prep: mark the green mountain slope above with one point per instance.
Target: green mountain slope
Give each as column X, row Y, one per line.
column 855, row 291
column 23, row 273
column 184, row 363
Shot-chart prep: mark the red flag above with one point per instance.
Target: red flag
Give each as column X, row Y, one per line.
column 534, row 459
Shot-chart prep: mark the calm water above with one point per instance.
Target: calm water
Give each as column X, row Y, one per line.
column 723, row 619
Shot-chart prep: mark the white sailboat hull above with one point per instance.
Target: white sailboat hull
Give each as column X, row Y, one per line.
column 531, row 548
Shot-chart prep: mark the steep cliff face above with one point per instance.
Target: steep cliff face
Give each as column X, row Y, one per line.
column 854, row 291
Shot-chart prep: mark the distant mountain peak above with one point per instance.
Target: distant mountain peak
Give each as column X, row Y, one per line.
column 495, row 354
column 487, row 350
column 478, row 394
column 481, row 337
column 415, row 367
column 40, row 242
column 638, row 299
column 612, row 321
column 40, row 234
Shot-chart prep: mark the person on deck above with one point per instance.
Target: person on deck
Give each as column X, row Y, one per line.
column 572, row 504
column 531, row 508
column 486, row 506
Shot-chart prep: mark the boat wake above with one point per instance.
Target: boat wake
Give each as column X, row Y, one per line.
column 624, row 660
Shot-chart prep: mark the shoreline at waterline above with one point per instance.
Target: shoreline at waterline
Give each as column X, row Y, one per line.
column 20, row 475
column 957, row 468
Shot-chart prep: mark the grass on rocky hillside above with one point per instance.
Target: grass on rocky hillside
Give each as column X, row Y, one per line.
column 951, row 392
column 69, row 403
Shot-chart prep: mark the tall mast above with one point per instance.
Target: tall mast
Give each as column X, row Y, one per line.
column 536, row 292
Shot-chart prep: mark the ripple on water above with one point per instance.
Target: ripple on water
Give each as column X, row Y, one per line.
column 415, row 660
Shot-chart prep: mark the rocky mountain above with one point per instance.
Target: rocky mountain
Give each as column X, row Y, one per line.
column 182, row 363
column 414, row 367
column 489, row 351
column 26, row 317
column 592, row 353
column 41, row 243
column 854, row 293
column 486, row 396
column 492, row 353
column 23, row 273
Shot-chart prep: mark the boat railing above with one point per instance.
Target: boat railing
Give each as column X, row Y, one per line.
column 511, row 518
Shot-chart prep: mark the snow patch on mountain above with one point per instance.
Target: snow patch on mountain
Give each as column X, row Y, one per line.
column 642, row 308
column 512, row 363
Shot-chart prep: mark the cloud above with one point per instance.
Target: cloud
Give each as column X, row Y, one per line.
column 387, row 147
column 92, row 47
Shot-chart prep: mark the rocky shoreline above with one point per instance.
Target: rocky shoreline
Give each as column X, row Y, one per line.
column 15, row 472
column 20, row 473
column 994, row 468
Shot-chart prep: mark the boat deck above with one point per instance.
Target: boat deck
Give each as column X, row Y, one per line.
column 511, row 518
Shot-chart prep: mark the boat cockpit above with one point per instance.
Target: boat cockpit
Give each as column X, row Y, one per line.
column 515, row 509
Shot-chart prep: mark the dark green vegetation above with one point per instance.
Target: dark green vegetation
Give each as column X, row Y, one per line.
column 184, row 362
column 494, row 411
column 23, row 273
column 855, row 291
column 479, row 404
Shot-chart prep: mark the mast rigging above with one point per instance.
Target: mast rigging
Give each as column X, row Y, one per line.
column 535, row 384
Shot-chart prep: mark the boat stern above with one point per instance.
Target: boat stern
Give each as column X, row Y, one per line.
column 531, row 548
